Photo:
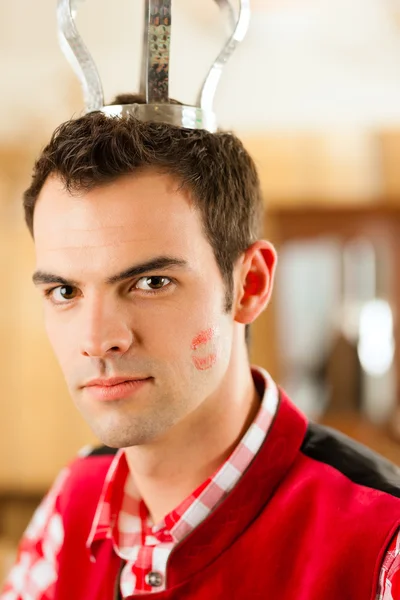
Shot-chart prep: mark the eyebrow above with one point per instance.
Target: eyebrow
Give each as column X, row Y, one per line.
column 159, row 263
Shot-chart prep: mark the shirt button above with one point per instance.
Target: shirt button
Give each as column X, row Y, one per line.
column 154, row 579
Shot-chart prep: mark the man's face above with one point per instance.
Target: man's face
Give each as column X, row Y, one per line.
column 132, row 291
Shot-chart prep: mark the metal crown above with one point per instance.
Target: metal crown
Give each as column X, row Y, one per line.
column 155, row 66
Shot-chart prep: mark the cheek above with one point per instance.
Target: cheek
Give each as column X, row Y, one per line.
column 61, row 339
column 204, row 348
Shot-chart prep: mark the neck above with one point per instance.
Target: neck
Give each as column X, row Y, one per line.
column 169, row 470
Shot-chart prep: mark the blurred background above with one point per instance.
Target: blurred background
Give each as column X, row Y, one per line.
column 314, row 92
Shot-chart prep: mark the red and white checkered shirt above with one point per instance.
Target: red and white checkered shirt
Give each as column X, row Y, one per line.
column 122, row 516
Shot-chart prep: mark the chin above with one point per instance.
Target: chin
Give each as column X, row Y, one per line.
column 123, row 437
column 115, row 440
column 123, row 430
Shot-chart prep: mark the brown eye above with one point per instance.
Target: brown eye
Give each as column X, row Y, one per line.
column 67, row 292
column 152, row 283
column 62, row 294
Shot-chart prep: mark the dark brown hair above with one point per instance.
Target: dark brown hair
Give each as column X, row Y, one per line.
column 214, row 167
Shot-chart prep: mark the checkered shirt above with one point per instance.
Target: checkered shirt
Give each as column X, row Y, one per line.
column 144, row 546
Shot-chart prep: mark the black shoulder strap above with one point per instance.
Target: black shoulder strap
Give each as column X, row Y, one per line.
column 355, row 461
column 102, row 450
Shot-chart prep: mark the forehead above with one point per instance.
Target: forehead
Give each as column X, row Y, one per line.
column 140, row 215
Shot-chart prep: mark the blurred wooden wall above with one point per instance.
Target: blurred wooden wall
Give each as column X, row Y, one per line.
column 40, row 430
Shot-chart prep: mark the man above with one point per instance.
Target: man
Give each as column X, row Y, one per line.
column 151, row 267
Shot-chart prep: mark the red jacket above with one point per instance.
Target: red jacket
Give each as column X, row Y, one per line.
column 310, row 519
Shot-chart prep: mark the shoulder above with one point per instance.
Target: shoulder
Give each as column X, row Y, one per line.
column 335, row 453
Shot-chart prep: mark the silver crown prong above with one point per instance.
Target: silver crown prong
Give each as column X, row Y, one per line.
column 78, row 55
column 155, row 66
column 241, row 26
column 156, row 51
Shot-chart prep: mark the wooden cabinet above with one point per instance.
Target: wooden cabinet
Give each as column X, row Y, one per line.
column 377, row 223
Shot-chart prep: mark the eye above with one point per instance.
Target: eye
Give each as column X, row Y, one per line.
column 62, row 293
column 153, row 283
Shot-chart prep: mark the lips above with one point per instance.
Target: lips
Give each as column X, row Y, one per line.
column 115, row 388
column 111, row 381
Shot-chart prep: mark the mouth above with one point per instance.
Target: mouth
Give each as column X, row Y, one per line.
column 115, row 388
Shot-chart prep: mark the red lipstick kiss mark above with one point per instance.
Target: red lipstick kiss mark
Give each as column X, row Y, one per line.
column 204, row 356
column 203, row 337
column 204, row 363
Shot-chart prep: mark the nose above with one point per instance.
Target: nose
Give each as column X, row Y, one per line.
column 105, row 330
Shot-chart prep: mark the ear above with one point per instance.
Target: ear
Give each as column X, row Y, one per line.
column 255, row 277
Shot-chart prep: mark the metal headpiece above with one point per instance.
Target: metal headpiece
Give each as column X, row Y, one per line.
column 155, row 65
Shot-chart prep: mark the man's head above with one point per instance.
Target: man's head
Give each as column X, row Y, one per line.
column 147, row 255
column 215, row 169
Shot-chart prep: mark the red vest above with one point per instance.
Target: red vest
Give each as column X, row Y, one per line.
column 294, row 527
